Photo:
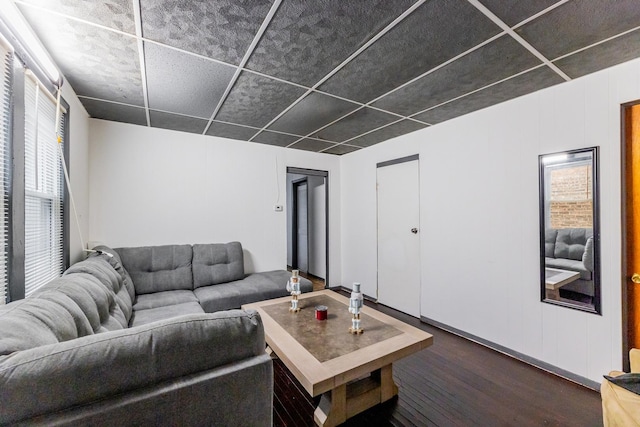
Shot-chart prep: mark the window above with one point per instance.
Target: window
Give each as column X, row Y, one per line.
column 44, row 188
column 6, row 64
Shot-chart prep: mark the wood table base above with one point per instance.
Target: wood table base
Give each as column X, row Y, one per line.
column 347, row 400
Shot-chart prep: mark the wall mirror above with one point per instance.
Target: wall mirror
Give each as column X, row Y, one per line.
column 569, row 229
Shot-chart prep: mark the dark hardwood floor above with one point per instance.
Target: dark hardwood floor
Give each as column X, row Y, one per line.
column 455, row 382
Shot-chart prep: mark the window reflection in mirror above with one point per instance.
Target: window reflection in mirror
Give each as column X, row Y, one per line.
column 569, row 232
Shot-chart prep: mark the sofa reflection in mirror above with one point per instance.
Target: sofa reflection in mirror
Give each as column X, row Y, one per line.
column 571, row 249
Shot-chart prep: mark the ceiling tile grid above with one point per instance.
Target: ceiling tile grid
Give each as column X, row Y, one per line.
column 322, row 75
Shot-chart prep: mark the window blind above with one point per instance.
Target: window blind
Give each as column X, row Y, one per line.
column 6, row 67
column 44, row 189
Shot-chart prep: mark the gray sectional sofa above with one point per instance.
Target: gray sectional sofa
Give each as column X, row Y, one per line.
column 572, row 249
column 141, row 336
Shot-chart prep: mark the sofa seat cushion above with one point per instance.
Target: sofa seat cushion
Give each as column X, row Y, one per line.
column 255, row 287
column 149, row 315
column 569, row 264
column 217, row 263
column 163, row 299
column 158, row 268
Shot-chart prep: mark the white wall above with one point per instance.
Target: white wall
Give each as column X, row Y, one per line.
column 479, row 219
column 78, row 165
column 153, row 186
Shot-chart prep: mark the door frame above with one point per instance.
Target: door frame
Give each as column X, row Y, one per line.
column 325, row 175
column 623, row 214
column 295, row 223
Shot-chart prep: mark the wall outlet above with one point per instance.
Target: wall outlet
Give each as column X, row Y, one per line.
column 277, row 208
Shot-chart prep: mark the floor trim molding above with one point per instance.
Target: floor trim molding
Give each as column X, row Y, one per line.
column 586, row 382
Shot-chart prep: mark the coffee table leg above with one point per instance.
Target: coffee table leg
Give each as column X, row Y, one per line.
column 348, row 400
column 332, row 409
column 388, row 388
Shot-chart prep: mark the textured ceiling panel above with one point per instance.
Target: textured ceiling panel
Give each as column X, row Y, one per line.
column 115, row 112
column 116, row 14
column 580, row 23
column 227, row 130
column 355, row 124
column 433, row 34
column 313, row 112
column 434, row 64
column 537, row 79
column 274, row 138
column 391, row 131
column 256, row 100
column 311, row 145
column 616, row 51
column 491, row 63
column 307, row 39
column 98, row 63
column 341, row 149
column 220, row 29
column 514, row 12
column 172, row 74
column 176, row 122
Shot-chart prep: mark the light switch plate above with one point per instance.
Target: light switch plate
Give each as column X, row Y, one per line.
column 277, row 208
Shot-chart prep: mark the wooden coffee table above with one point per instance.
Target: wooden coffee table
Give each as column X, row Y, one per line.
column 352, row 372
column 555, row 278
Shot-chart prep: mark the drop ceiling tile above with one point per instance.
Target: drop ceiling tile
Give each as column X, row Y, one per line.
column 532, row 81
column 313, row 112
column 220, row 29
column 176, row 122
column 608, row 54
column 577, row 24
column 391, row 131
column 434, row 33
column 227, row 130
column 274, row 138
column 97, row 63
column 311, row 145
column 514, row 12
column 307, row 39
column 355, row 124
column 114, row 112
column 495, row 61
column 341, row 149
column 255, row 100
column 116, row 14
column 181, row 83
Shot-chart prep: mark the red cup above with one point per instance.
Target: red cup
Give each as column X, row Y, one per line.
column 321, row 312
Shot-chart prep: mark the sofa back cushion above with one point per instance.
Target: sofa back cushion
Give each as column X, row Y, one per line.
column 158, row 268
column 217, row 263
column 86, row 300
column 114, row 260
column 570, row 242
column 550, row 235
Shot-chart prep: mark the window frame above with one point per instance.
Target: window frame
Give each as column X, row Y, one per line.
column 16, row 265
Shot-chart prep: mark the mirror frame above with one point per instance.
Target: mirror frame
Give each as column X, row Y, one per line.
column 597, row 305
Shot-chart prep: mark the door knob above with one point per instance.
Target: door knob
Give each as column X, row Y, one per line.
column 415, row 231
column 635, row 278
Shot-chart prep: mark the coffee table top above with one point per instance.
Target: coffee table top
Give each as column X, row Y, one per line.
column 322, row 354
column 554, row 278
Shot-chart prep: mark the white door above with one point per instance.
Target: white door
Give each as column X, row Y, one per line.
column 398, row 236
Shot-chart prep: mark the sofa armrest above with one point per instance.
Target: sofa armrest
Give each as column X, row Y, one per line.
column 587, row 255
column 58, row 376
